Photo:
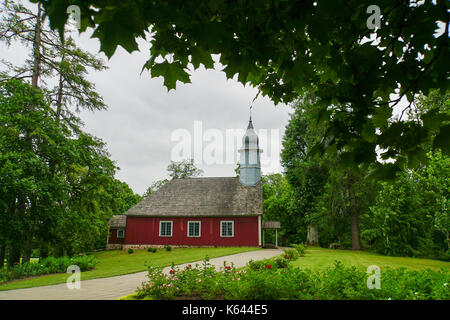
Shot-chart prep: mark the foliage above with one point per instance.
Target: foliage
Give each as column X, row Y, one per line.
column 291, row 254
column 413, row 206
column 301, row 249
column 286, row 47
column 257, row 265
column 57, row 182
column 155, row 186
column 183, row 169
column 326, row 197
column 277, row 205
column 177, row 170
column 255, row 283
column 307, row 177
column 130, row 251
column 274, row 263
column 168, row 248
column 51, row 60
column 410, row 216
column 47, row 266
column 151, row 249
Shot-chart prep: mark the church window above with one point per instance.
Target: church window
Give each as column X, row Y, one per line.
column 227, row 228
column 165, row 228
column 193, row 228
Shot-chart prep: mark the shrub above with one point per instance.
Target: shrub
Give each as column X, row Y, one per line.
column 274, row 263
column 130, row 251
column 46, row 266
column 256, row 265
column 151, row 249
column 168, row 248
column 85, row 262
column 257, row 282
column 301, row 249
column 281, row 262
column 291, row 254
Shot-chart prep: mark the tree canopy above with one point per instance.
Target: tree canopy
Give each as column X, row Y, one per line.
column 286, row 47
column 343, row 208
column 57, row 183
column 183, row 169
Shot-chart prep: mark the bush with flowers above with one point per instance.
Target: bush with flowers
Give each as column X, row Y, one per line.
column 200, row 281
column 266, row 280
column 291, row 254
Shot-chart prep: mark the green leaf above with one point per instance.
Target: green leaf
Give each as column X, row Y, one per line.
column 391, row 135
column 441, row 141
column 384, row 172
column 398, row 49
column 382, row 114
column 368, row 132
column 171, row 72
column 200, row 56
column 118, row 27
column 433, row 119
column 416, row 157
column 347, row 160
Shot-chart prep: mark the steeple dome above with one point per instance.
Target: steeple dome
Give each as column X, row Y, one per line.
column 250, row 163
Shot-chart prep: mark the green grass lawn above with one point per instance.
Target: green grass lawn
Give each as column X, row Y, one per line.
column 118, row 262
column 319, row 258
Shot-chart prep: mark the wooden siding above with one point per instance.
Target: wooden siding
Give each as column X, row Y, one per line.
column 145, row 230
column 113, row 237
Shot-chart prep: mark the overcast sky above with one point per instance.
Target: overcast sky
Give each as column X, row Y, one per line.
column 142, row 115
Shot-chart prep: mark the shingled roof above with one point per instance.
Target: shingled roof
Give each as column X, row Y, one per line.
column 207, row 197
column 118, row 221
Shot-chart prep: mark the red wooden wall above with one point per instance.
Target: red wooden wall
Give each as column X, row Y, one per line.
column 145, row 230
column 113, row 237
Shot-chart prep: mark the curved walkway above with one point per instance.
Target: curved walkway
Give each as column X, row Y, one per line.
column 116, row 287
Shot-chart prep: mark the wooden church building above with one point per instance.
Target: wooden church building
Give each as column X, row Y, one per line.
column 222, row 211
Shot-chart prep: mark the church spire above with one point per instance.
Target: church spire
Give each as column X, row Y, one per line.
column 250, row 164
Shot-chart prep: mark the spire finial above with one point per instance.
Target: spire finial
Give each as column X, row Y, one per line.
column 250, row 124
column 251, row 106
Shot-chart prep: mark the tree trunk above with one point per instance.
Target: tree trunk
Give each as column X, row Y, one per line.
column 14, row 255
column 59, row 97
column 37, row 50
column 448, row 240
column 2, row 255
column 356, row 242
column 27, row 251
column 312, row 238
column 43, row 251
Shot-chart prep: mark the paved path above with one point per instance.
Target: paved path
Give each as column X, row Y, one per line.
column 116, row 287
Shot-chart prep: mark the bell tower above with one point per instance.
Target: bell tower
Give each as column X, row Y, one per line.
column 250, row 163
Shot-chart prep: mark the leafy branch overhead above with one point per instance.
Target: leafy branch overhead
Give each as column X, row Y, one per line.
column 286, row 47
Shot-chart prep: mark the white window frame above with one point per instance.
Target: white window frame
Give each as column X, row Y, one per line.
column 199, row 229
column 171, row 228
column 117, row 234
column 232, row 229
